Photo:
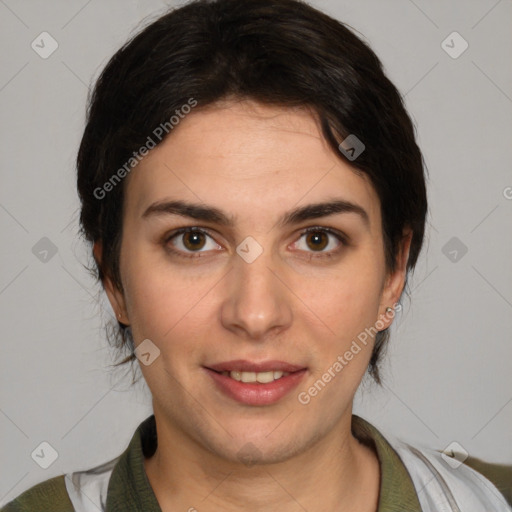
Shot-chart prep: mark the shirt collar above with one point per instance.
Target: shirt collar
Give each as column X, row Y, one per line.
column 129, row 488
column 397, row 490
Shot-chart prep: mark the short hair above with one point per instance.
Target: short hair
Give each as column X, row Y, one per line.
column 283, row 53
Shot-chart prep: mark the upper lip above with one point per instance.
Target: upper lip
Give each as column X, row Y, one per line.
column 250, row 366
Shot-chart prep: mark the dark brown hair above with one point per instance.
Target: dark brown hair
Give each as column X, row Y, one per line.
column 283, row 53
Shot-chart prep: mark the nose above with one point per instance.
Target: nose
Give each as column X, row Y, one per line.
column 257, row 303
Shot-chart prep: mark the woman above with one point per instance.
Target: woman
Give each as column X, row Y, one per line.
column 255, row 200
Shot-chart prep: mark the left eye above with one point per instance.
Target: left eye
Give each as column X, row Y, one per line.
column 317, row 240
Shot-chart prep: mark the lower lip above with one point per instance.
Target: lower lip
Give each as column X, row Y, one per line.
column 255, row 393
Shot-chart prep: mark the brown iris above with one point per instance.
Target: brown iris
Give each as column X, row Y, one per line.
column 318, row 240
column 193, row 240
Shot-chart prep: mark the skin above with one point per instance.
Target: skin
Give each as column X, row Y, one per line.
column 254, row 162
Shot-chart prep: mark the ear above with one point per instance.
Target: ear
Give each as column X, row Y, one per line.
column 115, row 296
column 395, row 282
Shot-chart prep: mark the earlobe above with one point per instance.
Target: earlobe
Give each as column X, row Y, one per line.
column 395, row 281
column 115, row 296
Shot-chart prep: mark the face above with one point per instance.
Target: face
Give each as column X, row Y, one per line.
column 231, row 274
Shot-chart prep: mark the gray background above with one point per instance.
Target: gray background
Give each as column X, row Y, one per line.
column 447, row 374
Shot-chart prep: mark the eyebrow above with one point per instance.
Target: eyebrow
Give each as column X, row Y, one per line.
column 216, row 216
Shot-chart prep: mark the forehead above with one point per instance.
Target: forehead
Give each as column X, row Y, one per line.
column 250, row 160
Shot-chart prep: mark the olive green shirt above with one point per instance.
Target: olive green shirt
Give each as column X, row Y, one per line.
column 129, row 488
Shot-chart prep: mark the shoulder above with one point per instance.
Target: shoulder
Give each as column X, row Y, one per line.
column 48, row 495
column 439, row 476
column 499, row 474
column 471, row 483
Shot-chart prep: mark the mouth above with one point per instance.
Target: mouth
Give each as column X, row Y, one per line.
column 253, row 383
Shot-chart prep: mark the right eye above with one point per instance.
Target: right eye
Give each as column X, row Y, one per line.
column 187, row 241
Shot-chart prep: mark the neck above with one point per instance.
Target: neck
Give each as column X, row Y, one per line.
column 337, row 473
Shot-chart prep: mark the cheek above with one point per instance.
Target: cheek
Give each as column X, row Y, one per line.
column 348, row 299
column 163, row 304
column 152, row 297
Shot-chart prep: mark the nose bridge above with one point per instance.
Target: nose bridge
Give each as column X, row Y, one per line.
column 257, row 301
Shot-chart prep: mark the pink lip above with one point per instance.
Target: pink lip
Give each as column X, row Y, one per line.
column 242, row 365
column 256, row 393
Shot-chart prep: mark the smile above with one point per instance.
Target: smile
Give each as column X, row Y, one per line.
column 250, row 383
column 261, row 377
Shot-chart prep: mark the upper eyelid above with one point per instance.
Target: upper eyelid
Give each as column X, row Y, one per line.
column 185, row 229
column 331, row 231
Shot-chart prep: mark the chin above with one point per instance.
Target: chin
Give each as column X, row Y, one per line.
column 273, row 443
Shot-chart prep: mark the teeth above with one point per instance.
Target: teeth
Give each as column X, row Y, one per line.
column 265, row 377
column 248, row 377
column 261, row 377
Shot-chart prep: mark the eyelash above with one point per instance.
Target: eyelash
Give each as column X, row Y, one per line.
column 315, row 229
